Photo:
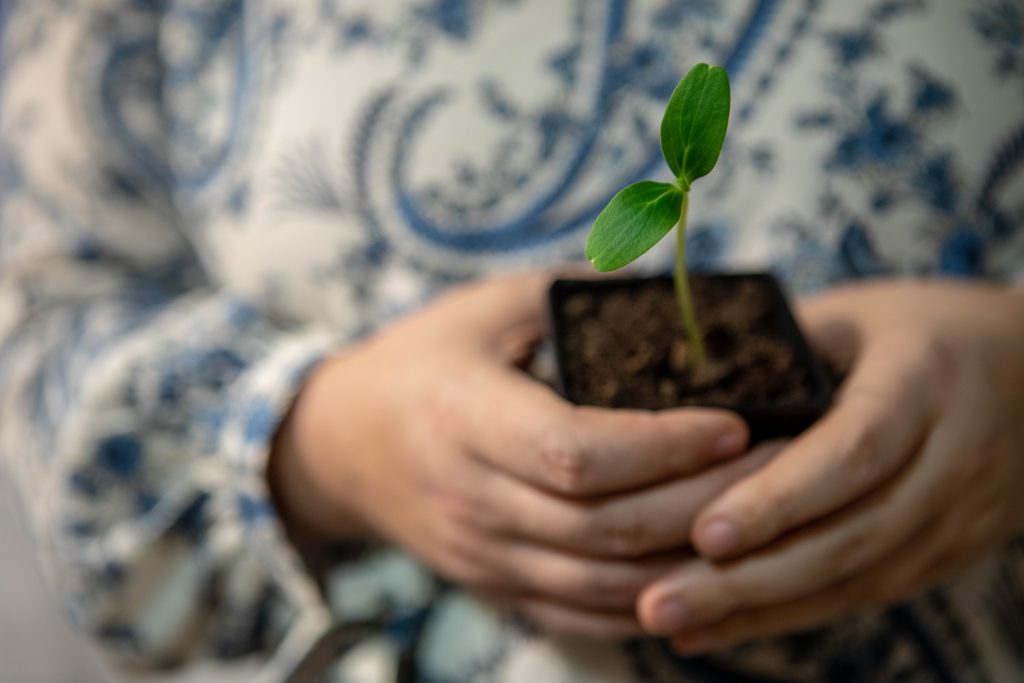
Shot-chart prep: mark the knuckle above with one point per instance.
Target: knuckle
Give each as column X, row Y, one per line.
column 440, row 410
column 625, row 534
column 552, row 622
column 477, row 511
column 847, row 555
column 460, row 509
column 458, row 560
column 617, row 587
column 589, row 627
column 607, row 588
column 564, row 463
column 863, row 453
column 452, row 561
column 468, row 574
column 449, row 538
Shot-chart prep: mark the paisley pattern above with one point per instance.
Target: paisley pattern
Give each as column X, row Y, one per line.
column 199, row 199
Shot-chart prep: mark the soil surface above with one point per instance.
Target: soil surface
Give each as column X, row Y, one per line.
column 625, row 347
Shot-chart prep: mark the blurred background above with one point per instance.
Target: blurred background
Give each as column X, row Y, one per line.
column 36, row 646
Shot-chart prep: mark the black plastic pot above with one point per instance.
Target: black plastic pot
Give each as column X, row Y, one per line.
column 766, row 419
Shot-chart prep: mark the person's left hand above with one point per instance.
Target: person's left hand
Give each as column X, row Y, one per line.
column 916, row 471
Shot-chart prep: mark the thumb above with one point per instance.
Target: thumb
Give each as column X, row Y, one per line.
column 496, row 309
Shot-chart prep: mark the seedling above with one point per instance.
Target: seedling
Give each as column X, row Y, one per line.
column 692, row 134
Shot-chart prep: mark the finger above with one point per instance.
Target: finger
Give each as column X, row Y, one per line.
column 878, row 422
column 702, row 593
column 905, row 512
column 913, row 569
column 579, row 582
column 522, row 427
column 630, row 525
column 561, row 621
column 491, row 307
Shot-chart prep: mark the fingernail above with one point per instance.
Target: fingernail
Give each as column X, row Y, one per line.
column 718, row 538
column 670, row 615
column 729, row 443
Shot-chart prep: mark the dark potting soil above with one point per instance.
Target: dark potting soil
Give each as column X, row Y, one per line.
column 625, row 348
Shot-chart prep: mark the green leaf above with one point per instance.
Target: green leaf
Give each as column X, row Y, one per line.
column 633, row 222
column 695, row 122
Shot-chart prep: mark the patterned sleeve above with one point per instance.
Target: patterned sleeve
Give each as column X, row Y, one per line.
column 137, row 399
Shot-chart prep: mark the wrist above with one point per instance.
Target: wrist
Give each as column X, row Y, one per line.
column 311, row 510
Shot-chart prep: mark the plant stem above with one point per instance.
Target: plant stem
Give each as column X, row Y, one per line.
column 683, row 298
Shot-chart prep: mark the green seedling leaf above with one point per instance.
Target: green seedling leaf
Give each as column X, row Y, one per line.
column 692, row 134
column 693, row 129
column 633, row 222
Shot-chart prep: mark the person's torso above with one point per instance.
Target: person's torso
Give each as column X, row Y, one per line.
column 338, row 163
column 341, row 161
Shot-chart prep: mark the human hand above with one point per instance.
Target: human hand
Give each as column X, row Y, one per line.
column 429, row 435
column 915, row 472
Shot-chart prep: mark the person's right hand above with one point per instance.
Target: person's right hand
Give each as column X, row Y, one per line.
column 429, row 434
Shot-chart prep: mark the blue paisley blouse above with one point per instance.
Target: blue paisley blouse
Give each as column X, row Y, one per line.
column 201, row 198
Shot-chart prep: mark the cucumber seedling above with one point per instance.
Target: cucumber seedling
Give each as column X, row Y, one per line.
column 692, row 133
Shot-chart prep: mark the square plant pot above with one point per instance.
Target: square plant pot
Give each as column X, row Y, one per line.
column 619, row 343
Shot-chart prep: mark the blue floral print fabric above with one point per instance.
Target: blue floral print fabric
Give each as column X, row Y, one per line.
column 199, row 199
